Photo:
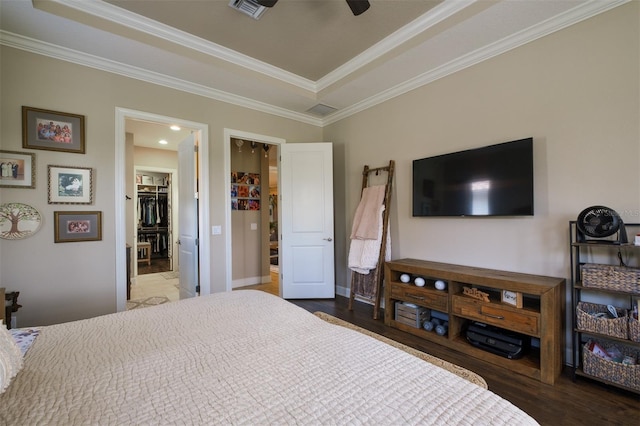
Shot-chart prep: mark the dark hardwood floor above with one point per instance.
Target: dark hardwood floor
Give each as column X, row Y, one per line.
column 583, row 402
column 157, row 265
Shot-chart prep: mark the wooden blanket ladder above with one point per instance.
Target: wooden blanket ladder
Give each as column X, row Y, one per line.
column 369, row 287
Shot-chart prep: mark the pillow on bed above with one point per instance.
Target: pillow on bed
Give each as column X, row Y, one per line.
column 24, row 337
column 10, row 358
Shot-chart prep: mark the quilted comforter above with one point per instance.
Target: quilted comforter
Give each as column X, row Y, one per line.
column 243, row 357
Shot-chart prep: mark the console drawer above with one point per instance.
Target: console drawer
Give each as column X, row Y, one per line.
column 433, row 299
column 519, row 320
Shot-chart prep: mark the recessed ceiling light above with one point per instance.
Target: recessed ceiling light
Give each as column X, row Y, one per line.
column 175, row 128
column 163, row 142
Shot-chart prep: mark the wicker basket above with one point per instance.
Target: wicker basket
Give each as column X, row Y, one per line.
column 615, row 327
column 619, row 278
column 615, row 372
column 634, row 329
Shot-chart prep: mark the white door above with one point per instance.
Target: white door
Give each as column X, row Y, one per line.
column 307, row 246
column 188, row 218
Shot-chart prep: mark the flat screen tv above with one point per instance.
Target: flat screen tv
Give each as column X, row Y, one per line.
column 494, row 180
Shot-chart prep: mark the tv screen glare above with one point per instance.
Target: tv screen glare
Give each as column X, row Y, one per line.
column 495, row 180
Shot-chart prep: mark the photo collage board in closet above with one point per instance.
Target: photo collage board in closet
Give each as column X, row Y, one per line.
column 245, row 191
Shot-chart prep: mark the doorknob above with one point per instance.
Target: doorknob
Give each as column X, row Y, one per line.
column 328, row 239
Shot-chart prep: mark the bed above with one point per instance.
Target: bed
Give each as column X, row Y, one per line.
column 242, row 357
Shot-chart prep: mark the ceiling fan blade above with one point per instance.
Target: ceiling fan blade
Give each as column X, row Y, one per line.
column 358, row 6
column 266, row 3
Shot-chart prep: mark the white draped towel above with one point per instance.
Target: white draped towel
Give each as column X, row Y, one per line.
column 367, row 219
column 364, row 253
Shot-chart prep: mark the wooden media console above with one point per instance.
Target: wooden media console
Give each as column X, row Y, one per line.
column 540, row 318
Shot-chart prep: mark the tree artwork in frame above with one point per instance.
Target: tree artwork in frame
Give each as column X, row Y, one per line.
column 18, row 221
column 52, row 130
column 18, row 169
column 77, row 226
column 70, row 185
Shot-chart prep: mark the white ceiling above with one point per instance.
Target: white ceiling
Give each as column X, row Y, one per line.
column 148, row 134
column 301, row 53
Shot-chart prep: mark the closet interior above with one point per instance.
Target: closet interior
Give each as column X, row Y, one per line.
column 153, row 213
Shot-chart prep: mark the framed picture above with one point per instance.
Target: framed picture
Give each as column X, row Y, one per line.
column 70, row 185
column 245, row 191
column 513, row 298
column 77, row 226
column 18, row 221
column 18, row 169
column 52, row 131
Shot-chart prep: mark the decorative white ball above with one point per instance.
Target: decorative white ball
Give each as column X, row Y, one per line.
column 405, row 278
column 440, row 285
column 419, row 281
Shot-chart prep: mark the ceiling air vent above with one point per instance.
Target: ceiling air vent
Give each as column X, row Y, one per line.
column 248, row 7
column 321, row 110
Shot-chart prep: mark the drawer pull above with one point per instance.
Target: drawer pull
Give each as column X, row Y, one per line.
column 500, row 317
column 413, row 296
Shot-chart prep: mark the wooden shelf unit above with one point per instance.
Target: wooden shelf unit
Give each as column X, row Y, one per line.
column 541, row 317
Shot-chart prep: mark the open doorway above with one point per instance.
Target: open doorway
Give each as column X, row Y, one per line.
column 155, row 218
column 254, row 220
column 152, row 149
column 263, row 243
column 126, row 225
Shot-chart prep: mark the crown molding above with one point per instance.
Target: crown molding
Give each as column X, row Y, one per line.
column 559, row 22
column 573, row 16
column 80, row 58
column 140, row 23
column 436, row 15
column 180, row 38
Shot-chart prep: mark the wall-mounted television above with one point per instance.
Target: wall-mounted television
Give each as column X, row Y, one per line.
column 495, row 180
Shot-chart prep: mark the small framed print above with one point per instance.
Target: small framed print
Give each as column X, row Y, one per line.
column 18, row 169
column 77, row 226
column 70, row 185
column 52, row 130
column 513, row 298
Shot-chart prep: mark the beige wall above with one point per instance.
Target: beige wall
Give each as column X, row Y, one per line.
column 63, row 282
column 151, row 157
column 576, row 92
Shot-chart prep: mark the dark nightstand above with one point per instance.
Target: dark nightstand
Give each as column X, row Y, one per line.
column 12, row 306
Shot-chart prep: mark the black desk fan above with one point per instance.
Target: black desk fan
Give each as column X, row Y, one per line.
column 600, row 222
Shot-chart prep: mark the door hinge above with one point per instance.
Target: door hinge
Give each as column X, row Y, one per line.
column 195, row 149
column 197, row 289
column 197, row 242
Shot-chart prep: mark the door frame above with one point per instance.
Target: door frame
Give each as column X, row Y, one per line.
column 122, row 114
column 240, row 134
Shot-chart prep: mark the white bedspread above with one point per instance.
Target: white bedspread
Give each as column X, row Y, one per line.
column 243, row 357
